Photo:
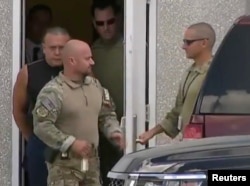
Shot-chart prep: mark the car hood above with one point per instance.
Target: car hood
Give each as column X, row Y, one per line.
column 143, row 161
column 158, row 159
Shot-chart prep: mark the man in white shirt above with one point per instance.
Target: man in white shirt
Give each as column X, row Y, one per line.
column 38, row 20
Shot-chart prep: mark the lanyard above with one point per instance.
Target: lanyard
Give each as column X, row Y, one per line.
column 184, row 93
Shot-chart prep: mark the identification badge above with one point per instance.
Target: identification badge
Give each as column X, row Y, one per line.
column 179, row 126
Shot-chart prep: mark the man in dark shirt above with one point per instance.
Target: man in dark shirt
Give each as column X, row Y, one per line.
column 39, row 18
column 30, row 81
column 108, row 56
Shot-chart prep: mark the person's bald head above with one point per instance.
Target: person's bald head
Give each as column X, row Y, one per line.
column 204, row 30
column 73, row 48
column 77, row 55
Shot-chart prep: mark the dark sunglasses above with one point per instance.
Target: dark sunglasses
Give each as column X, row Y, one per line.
column 190, row 41
column 108, row 22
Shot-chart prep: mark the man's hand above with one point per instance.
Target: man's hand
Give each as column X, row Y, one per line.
column 118, row 139
column 81, row 148
column 145, row 137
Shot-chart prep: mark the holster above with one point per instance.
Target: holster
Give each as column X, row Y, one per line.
column 50, row 154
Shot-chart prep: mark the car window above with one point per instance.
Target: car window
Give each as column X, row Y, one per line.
column 227, row 87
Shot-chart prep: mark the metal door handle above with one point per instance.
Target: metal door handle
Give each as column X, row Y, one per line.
column 123, row 128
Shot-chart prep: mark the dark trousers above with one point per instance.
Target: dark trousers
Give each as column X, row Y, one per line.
column 35, row 162
column 109, row 156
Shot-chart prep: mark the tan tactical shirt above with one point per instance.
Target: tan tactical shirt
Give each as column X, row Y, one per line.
column 185, row 101
column 67, row 110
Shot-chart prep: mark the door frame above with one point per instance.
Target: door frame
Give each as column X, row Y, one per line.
column 152, row 66
column 16, row 59
column 135, row 73
column 135, row 52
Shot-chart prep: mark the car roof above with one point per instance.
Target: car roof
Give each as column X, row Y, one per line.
column 243, row 20
column 169, row 153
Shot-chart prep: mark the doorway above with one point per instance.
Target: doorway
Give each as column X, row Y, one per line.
column 137, row 76
column 79, row 11
column 73, row 16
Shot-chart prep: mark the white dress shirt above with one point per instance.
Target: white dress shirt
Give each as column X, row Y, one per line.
column 29, row 48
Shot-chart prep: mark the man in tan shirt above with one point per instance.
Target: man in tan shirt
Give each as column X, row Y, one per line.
column 198, row 43
column 66, row 117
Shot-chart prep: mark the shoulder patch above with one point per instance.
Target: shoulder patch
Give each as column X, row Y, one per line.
column 106, row 98
column 45, row 108
column 42, row 112
column 106, row 95
column 48, row 100
column 48, row 104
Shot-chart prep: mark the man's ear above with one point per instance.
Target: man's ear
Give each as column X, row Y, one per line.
column 72, row 61
column 205, row 43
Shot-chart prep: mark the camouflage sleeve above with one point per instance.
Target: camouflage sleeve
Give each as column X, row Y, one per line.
column 170, row 122
column 45, row 114
column 108, row 122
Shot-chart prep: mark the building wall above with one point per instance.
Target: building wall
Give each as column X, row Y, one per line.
column 173, row 18
column 5, row 87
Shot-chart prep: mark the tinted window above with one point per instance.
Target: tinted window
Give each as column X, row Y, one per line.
column 227, row 88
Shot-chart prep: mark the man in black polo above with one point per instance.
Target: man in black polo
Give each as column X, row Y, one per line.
column 39, row 18
column 30, row 80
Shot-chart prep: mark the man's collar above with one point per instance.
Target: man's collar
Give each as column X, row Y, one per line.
column 200, row 69
column 74, row 84
column 100, row 42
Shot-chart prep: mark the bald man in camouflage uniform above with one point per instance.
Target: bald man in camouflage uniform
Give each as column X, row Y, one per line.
column 66, row 118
